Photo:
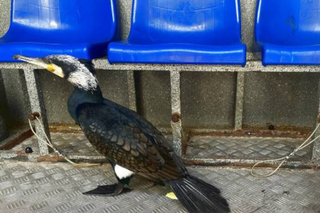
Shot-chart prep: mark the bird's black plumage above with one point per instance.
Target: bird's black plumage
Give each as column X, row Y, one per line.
column 127, row 139
column 123, row 136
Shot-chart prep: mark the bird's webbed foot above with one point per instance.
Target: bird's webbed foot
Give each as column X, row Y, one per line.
column 109, row 190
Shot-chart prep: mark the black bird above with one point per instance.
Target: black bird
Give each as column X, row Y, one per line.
column 131, row 143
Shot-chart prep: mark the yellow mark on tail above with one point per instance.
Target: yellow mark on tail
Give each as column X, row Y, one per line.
column 172, row 196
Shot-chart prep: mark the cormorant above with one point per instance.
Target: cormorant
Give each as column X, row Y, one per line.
column 131, row 143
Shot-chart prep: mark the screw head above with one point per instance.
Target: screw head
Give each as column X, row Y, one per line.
column 175, row 117
column 34, row 115
column 28, row 150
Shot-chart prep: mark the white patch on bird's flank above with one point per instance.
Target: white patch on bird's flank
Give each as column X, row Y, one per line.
column 122, row 172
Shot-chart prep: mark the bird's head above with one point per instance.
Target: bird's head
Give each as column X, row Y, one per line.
column 78, row 72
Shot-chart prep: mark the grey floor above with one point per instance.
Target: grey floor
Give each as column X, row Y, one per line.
column 44, row 187
column 57, row 188
column 256, row 148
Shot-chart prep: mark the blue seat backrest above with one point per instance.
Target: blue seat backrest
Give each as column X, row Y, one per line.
column 185, row 21
column 294, row 22
column 70, row 21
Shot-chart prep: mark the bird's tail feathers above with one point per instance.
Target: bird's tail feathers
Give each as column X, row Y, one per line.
column 198, row 196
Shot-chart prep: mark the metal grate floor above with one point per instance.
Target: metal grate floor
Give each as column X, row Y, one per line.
column 67, row 143
column 43, row 188
column 254, row 148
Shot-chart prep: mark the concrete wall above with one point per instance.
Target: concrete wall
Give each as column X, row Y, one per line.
column 208, row 99
column 16, row 105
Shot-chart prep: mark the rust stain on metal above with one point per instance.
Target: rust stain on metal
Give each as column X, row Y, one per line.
column 191, row 162
column 50, row 158
column 16, row 141
column 175, row 117
column 65, row 128
column 252, row 133
column 185, row 141
column 21, row 153
column 53, row 158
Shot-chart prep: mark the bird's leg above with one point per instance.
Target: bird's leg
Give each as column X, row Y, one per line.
column 109, row 190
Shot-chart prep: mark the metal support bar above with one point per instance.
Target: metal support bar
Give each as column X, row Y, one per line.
column 316, row 150
column 132, row 98
column 316, row 145
column 37, row 105
column 176, row 112
column 239, row 101
column 251, row 66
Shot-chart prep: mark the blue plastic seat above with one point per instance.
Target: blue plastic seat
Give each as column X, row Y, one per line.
column 182, row 31
column 289, row 31
column 80, row 28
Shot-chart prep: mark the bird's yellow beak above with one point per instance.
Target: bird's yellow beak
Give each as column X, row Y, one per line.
column 39, row 62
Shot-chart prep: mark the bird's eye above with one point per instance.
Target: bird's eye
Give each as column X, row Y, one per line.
column 51, row 67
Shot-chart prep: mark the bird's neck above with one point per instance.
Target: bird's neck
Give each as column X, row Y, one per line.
column 80, row 96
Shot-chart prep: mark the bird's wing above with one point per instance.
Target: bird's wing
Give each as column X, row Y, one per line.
column 116, row 136
column 146, row 127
